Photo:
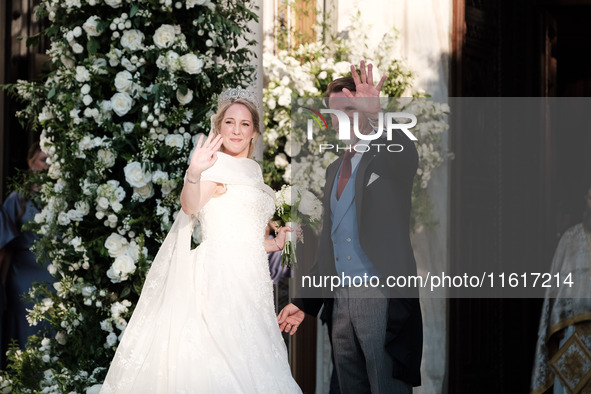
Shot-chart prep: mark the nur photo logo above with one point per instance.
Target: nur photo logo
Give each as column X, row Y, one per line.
column 386, row 123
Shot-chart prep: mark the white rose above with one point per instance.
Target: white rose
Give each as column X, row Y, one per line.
column 116, row 245
column 158, row 175
column 128, row 127
column 82, row 74
column 114, row 3
column 87, row 100
column 123, row 81
column 63, row 219
column 103, row 203
column 161, row 62
column 77, row 48
column 85, row 89
column 121, row 268
column 112, row 219
column 107, row 157
column 61, row 338
column 132, row 39
column 164, row 36
column 172, row 59
column 174, row 140
column 90, row 26
column 145, row 192
column 121, row 103
column 191, row 63
column 292, row 148
column 184, row 98
column 310, row 205
column 167, row 187
column 281, row 161
column 135, row 175
column 111, row 339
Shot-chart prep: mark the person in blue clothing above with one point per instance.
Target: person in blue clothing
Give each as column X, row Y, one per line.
column 20, row 269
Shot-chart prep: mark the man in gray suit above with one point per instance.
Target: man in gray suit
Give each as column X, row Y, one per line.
column 376, row 332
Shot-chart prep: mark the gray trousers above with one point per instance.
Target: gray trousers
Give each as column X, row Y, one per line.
column 358, row 337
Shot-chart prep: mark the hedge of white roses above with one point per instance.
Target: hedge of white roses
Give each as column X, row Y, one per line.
column 306, row 71
column 130, row 86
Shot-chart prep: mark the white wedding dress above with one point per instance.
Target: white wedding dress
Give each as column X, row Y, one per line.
column 205, row 321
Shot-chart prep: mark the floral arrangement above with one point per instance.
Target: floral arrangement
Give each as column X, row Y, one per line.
column 305, row 72
column 131, row 84
column 295, row 207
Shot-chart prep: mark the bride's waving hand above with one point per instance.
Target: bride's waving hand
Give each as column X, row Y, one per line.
column 196, row 193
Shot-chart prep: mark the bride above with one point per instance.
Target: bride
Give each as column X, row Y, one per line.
column 205, row 321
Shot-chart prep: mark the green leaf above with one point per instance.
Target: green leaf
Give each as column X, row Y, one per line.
column 33, row 40
column 134, row 10
column 93, row 45
column 125, row 292
column 51, row 93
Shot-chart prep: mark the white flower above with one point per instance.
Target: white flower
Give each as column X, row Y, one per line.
column 87, row 100
column 184, row 98
column 158, row 175
column 172, row 59
column 123, row 81
column 75, row 215
column 174, row 140
column 61, row 337
column 287, row 174
column 292, row 148
column 116, row 245
column 285, row 99
column 164, row 36
column 193, row 3
column 82, row 74
column 88, row 290
column 121, row 268
column 281, row 161
column 128, row 127
column 77, row 48
column 114, row 3
column 103, row 203
column 310, row 205
column 145, row 192
column 121, row 103
column 111, row 339
column 135, row 175
column 107, row 157
column 168, row 186
column 132, row 39
column 63, row 219
column 191, row 63
column 161, row 62
column 90, row 26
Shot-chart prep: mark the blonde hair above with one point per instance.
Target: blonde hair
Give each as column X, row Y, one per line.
column 219, row 116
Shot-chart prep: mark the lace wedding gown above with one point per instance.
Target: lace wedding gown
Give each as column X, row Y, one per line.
column 205, row 321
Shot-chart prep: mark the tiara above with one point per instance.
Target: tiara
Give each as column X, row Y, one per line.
column 237, row 93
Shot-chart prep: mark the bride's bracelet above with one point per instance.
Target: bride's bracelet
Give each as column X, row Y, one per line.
column 190, row 181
